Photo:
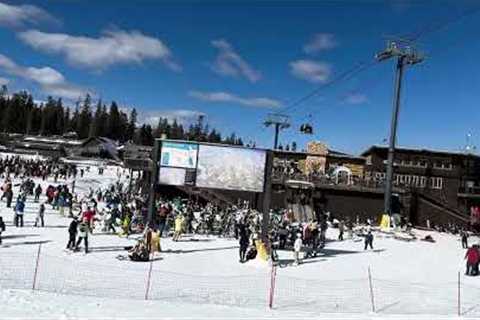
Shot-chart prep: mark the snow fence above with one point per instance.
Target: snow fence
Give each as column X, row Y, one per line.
column 146, row 281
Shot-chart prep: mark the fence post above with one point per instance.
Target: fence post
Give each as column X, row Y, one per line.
column 37, row 263
column 459, row 304
column 273, row 275
column 149, row 277
column 372, row 298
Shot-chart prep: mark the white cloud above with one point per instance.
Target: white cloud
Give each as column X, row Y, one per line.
column 4, row 81
column 355, row 98
column 18, row 16
column 320, row 42
column 183, row 116
column 313, row 71
column 112, row 47
column 50, row 80
column 229, row 63
column 258, row 102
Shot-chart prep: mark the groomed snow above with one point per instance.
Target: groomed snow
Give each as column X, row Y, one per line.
column 200, row 277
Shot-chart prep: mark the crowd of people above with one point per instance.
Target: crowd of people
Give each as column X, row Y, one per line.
column 119, row 210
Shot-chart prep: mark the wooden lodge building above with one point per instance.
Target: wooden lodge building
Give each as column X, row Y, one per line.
column 431, row 187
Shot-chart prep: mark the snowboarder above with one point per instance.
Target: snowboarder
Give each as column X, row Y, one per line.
column 2, row 229
column 369, row 240
column 40, row 216
column 72, row 233
column 297, row 247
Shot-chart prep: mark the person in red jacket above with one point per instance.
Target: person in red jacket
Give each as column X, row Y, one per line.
column 473, row 258
column 88, row 218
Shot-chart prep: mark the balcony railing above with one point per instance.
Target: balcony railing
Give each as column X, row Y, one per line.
column 469, row 190
column 325, row 180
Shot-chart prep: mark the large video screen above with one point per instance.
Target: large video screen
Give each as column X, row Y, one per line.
column 178, row 154
column 172, row 176
column 231, row 168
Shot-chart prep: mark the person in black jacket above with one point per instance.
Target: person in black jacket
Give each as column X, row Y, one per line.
column 2, row 228
column 369, row 240
column 72, row 232
column 243, row 239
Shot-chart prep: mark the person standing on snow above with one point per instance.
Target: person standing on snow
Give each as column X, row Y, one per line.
column 464, row 235
column 40, row 216
column 2, row 229
column 83, row 231
column 241, row 233
column 72, row 233
column 473, row 257
column 38, row 192
column 179, row 225
column 369, row 240
column 341, row 229
column 19, row 209
column 297, row 247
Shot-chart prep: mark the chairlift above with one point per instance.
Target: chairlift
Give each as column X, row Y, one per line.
column 307, row 128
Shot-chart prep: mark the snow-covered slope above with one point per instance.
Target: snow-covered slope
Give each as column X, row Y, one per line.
column 200, row 277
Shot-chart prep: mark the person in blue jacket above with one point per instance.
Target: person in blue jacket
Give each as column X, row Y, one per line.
column 19, row 210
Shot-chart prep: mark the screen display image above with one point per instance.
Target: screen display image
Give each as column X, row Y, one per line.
column 231, row 168
column 172, row 176
column 177, row 154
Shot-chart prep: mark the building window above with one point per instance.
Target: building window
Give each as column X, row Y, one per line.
column 380, row 175
column 442, row 165
column 415, row 181
column 437, row 183
column 408, row 179
column 423, row 182
column 369, row 161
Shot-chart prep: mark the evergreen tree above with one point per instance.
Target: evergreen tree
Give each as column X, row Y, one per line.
column 113, row 128
column 132, row 123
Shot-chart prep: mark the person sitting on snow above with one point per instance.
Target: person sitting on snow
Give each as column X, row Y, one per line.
column 139, row 252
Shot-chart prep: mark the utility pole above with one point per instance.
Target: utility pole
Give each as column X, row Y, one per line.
column 280, row 122
column 406, row 55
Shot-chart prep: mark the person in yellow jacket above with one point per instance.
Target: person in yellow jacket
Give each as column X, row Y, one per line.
column 179, row 222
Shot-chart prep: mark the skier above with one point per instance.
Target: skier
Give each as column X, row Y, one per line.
column 297, row 247
column 72, row 233
column 83, row 230
column 40, row 215
column 369, row 240
column 2, row 229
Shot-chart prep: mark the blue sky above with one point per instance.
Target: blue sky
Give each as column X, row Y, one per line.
column 237, row 61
